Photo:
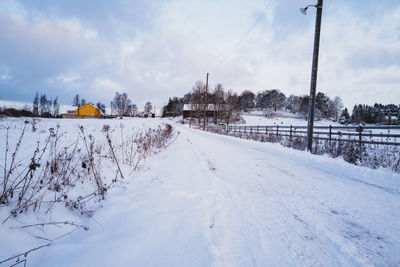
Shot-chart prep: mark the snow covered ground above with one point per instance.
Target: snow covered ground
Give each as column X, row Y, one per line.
column 280, row 118
column 212, row 200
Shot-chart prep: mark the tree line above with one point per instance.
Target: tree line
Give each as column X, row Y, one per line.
column 43, row 106
column 223, row 103
column 268, row 101
column 121, row 105
column 377, row 113
column 227, row 102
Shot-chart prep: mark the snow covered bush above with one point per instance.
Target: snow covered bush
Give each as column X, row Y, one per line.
column 68, row 166
column 55, row 167
column 297, row 142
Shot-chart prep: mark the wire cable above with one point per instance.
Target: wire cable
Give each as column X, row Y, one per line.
column 266, row 9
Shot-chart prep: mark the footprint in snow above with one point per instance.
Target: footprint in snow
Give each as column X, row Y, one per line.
column 285, row 172
column 333, row 211
column 211, row 166
column 297, row 218
column 211, row 225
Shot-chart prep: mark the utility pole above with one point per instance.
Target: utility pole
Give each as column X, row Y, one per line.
column 311, row 101
column 205, row 104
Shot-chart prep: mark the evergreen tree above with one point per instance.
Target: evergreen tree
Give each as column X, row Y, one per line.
column 344, row 117
column 101, row 107
column 173, row 108
column 322, row 103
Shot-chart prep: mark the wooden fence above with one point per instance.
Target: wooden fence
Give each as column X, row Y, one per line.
column 380, row 135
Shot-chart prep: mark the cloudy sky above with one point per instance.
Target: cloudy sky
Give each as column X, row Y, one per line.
column 155, row 49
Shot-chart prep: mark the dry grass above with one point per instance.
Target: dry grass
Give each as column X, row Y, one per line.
column 53, row 171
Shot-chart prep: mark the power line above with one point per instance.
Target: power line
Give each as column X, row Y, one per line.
column 266, row 9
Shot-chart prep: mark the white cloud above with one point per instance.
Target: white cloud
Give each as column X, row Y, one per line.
column 76, row 52
column 5, row 73
column 65, row 78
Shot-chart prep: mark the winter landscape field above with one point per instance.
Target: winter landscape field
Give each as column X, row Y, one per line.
column 199, row 133
column 197, row 199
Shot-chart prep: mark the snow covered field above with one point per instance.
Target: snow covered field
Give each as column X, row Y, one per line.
column 212, row 200
column 283, row 118
column 280, row 118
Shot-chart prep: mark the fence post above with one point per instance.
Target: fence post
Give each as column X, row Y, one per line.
column 360, row 129
column 330, row 134
column 290, row 132
column 277, row 130
column 251, row 130
column 266, row 130
column 257, row 130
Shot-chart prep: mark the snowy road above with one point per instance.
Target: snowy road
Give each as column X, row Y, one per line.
column 211, row 200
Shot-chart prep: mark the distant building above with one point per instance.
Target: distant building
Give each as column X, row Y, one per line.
column 145, row 114
column 84, row 112
column 391, row 120
column 196, row 111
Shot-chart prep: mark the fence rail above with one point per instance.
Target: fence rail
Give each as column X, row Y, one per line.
column 379, row 135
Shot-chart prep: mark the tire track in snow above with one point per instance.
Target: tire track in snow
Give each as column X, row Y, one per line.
column 213, row 208
column 311, row 221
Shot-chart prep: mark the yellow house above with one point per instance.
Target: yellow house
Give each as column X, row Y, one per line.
column 85, row 111
column 391, row 120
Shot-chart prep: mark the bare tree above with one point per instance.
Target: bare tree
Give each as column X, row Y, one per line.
column 303, row 108
column 120, row 104
column 56, row 107
column 44, row 105
column 199, row 104
column 76, row 102
column 133, row 110
column 231, row 101
column 334, row 108
column 271, row 100
column 148, row 107
column 35, row 108
column 246, row 100
column 293, row 103
column 218, row 101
